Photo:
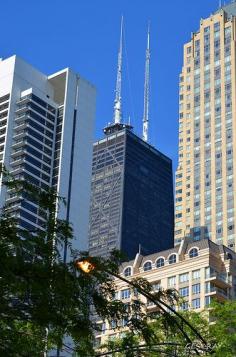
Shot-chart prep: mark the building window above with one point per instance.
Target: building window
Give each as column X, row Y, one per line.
column 127, row 271
column 196, row 274
column 160, row 262
column 113, row 324
column 183, row 277
column 184, row 291
column 196, row 303
column 147, row 266
column 125, row 294
column 207, row 300
column 189, row 50
column 172, row 281
column 193, row 253
column 184, row 306
column 172, row 259
column 196, row 288
column 156, row 286
column 103, row 328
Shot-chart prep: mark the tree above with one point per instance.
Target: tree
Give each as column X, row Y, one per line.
column 223, row 328
column 43, row 298
column 216, row 324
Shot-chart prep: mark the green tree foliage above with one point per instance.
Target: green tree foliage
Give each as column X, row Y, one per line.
column 217, row 325
column 223, row 328
column 43, row 298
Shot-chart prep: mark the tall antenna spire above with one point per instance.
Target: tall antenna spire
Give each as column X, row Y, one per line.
column 117, row 103
column 146, row 89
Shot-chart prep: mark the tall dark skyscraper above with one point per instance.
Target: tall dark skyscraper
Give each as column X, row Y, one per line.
column 131, row 206
column 132, row 196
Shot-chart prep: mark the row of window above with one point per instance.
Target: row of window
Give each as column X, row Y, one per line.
column 160, row 262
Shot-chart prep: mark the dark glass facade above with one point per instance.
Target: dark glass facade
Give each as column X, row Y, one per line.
column 132, row 197
column 32, row 156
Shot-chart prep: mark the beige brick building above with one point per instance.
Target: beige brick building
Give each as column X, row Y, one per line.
column 200, row 271
column 205, row 178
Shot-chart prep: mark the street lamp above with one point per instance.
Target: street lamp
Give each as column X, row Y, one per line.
column 198, row 346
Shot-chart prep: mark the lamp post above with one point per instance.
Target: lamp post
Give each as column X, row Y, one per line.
column 197, row 346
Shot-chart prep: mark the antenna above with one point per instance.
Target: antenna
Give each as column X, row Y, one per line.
column 117, row 103
column 146, row 88
column 220, row 4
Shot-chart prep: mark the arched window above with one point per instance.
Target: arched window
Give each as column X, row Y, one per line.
column 127, row 271
column 193, row 253
column 160, row 262
column 172, row 259
column 147, row 266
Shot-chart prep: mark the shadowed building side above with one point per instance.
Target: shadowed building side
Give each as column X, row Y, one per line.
column 132, row 197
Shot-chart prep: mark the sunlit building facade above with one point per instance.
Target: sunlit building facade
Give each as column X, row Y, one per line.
column 46, row 135
column 205, row 177
column 200, row 271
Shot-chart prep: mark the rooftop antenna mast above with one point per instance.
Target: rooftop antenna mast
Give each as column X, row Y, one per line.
column 117, row 103
column 146, row 89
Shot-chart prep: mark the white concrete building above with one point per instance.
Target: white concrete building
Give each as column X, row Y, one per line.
column 46, row 135
column 200, row 271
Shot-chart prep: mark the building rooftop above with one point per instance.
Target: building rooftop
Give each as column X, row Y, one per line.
column 127, row 128
column 181, row 249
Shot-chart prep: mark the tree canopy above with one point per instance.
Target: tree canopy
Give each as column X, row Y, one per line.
column 43, row 298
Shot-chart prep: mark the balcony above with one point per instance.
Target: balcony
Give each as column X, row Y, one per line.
column 19, row 134
column 17, row 161
column 21, row 125
column 218, row 293
column 19, row 143
column 221, row 294
column 23, row 100
column 21, row 109
column 221, row 280
column 18, row 151
column 22, row 116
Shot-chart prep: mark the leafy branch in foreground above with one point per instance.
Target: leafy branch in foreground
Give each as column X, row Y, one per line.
column 38, row 290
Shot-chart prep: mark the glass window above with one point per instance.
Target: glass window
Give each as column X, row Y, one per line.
column 196, row 274
column 172, row 281
column 156, row 286
column 193, row 253
column 103, row 328
column 125, row 294
column 196, row 303
column 127, row 271
column 172, row 259
column 207, row 300
column 184, row 291
column 147, row 266
column 196, row 288
column 184, row 277
column 184, row 306
column 160, row 262
column 209, row 272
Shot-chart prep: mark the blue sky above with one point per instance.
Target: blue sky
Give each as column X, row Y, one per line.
column 84, row 35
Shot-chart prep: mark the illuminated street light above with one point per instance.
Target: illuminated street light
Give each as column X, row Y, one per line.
column 84, row 265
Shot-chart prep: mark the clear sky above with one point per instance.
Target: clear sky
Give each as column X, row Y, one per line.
column 84, row 35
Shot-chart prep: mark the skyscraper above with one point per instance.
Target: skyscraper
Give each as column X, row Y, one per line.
column 132, row 196
column 205, row 178
column 132, row 191
column 46, row 133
